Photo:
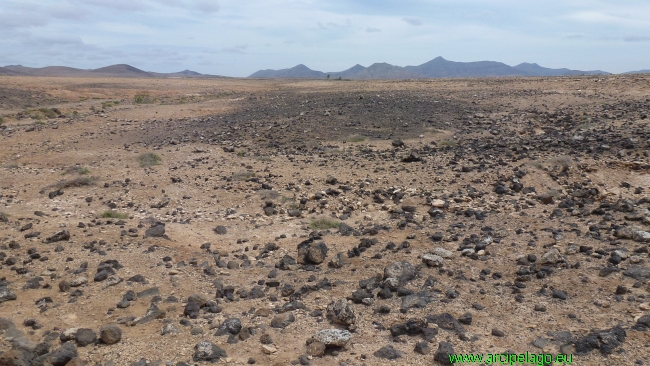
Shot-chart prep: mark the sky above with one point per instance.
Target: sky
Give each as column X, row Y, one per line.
column 239, row 37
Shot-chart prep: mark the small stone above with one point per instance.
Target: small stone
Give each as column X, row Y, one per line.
column 552, row 256
column 388, row 353
column 316, row 349
column 85, row 337
column 230, row 326
column 432, row 260
column 498, row 332
column 540, row 342
column 559, row 294
column 444, row 351
column 110, row 334
column 6, row 294
column 403, row 271
column 282, row 320
column 310, row 252
column 341, row 312
column 332, row 337
column 465, row 319
column 422, row 348
column 206, row 351
column 444, row 253
column 221, row 230
column 269, row 350
column 192, row 310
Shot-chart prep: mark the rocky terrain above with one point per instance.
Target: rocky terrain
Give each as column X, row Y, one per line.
column 278, row 222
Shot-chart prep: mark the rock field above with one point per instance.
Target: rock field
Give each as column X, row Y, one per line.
column 283, row 222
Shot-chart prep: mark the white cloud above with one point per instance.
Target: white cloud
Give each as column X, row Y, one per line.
column 207, row 6
column 236, row 49
column 413, row 21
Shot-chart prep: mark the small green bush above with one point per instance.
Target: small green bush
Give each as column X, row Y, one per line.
column 142, row 99
column 48, row 113
column 4, row 217
column 2, row 121
column 324, row 223
column 148, row 159
column 110, row 214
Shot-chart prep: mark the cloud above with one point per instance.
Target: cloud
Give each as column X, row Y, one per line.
column 637, row 39
column 14, row 20
column 207, row 6
column 372, row 30
column 120, row 5
column 413, row 21
column 241, row 49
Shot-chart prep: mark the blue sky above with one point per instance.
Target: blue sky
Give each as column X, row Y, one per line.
column 237, row 38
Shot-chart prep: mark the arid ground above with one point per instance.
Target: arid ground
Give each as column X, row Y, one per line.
column 323, row 222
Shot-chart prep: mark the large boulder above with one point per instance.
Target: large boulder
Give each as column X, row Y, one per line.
column 206, row 351
column 403, row 271
column 312, row 252
column 341, row 312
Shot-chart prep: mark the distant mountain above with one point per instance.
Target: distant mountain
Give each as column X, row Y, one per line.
column 122, row 70
column 299, row 71
column 7, row 72
column 183, row 74
column 375, row 71
column 119, row 70
column 536, row 70
column 441, row 68
column 436, row 68
column 638, row 72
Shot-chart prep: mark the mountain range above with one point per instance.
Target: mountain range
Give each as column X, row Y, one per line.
column 119, row 70
column 436, row 68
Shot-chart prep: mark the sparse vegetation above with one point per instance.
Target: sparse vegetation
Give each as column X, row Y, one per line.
column 43, row 113
column 449, row 143
column 355, row 138
column 267, row 194
column 432, row 130
column 78, row 170
column 110, row 214
column 148, row 159
column 561, row 161
column 70, row 183
column 242, row 176
column 324, row 223
column 4, row 217
column 553, row 193
column 109, row 104
column 142, row 99
column 2, row 120
column 241, row 153
column 48, row 113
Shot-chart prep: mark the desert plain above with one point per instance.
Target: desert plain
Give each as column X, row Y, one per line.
column 323, row 222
